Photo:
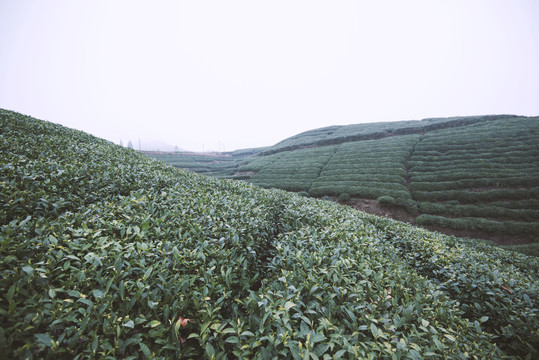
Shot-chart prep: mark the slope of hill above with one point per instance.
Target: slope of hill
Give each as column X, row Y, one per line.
column 471, row 176
column 371, row 131
column 106, row 253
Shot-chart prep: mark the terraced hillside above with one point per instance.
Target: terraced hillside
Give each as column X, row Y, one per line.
column 106, row 253
column 367, row 169
column 340, row 134
column 471, row 176
column 481, row 177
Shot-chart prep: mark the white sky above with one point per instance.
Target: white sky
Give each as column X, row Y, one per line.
column 236, row 74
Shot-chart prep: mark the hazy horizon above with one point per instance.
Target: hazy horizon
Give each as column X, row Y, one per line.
column 240, row 74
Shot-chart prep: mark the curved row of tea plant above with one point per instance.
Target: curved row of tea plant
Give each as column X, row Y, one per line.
column 294, row 171
column 480, row 196
column 477, row 183
column 105, row 253
column 207, row 164
column 367, row 169
column 513, row 228
column 255, row 164
column 526, row 214
column 479, row 165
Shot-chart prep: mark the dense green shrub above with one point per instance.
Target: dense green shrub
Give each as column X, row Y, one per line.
column 470, row 197
column 256, row 163
column 521, row 204
column 516, row 229
column 208, row 164
column 344, row 197
column 406, row 204
column 463, row 184
column 528, row 249
column 478, row 211
column 492, row 286
column 365, row 192
column 460, row 175
column 294, row 171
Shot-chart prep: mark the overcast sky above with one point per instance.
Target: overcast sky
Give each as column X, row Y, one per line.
column 231, row 74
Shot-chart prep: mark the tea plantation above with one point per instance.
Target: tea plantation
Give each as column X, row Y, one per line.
column 212, row 164
column 486, row 177
column 106, row 253
column 473, row 176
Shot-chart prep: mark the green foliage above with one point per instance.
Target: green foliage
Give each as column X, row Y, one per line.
column 486, row 167
column 367, row 169
column 498, row 289
column 218, row 165
column 407, row 204
column 484, row 182
column 479, row 211
column 295, row 170
column 471, row 197
column 516, row 229
column 528, row 249
column 344, row 197
column 106, row 253
column 256, row 163
column 332, row 135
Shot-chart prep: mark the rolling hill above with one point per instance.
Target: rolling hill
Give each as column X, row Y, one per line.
column 107, row 253
column 470, row 176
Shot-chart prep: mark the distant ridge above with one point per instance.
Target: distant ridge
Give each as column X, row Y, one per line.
column 373, row 131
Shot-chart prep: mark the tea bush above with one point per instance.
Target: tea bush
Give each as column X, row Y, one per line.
column 471, row 197
column 498, row 289
column 407, row 204
column 479, row 211
column 344, row 197
column 517, row 229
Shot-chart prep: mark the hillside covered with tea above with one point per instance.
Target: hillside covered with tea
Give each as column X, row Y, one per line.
column 474, row 176
column 106, row 253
